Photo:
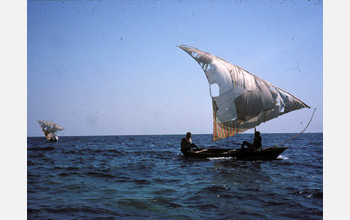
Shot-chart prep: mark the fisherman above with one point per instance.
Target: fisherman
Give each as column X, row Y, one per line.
column 187, row 145
column 45, row 132
column 256, row 144
column 54, row 139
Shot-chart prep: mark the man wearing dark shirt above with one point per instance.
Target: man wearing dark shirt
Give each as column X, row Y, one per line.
column 256, row 144
column 186, row 143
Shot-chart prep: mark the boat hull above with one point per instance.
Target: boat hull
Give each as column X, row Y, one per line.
column 269, row 153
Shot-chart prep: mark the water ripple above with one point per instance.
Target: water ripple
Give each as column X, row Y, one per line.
column 143, row 177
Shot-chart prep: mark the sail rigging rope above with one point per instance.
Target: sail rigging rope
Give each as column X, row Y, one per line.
column 299, row 132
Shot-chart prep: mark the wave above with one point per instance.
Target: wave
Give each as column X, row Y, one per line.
column 121, row 178
column 49, row 148
column 220, row 158
column 99, row 174
column 215, row 189
column 281, row 157
column 309, row 193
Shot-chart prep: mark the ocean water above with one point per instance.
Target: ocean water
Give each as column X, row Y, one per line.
column 146, row 177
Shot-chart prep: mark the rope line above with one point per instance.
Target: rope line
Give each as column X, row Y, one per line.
column 300, row 132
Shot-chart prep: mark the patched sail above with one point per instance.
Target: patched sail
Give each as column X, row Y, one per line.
column 50, row 129
column 244, row 100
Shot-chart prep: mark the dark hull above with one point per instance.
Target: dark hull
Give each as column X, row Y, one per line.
column 269, row 153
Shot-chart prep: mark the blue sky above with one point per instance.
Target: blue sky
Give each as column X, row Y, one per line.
column 113, row 68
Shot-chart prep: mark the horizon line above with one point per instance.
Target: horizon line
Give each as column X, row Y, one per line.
column 104, row 135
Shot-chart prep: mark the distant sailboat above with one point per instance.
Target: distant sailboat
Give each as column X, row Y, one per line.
column 243, row 101
column 50, row 129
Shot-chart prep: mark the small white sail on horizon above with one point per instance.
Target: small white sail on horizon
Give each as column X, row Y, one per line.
column 50, row 129
column 244, row 100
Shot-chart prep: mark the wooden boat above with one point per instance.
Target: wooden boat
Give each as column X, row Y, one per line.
column 269, row 153
column 240, row 101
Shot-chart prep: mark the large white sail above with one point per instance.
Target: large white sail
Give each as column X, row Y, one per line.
column 50, row 129
column 244, row 100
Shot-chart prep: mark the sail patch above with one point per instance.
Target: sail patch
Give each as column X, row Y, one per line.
column 214, row 90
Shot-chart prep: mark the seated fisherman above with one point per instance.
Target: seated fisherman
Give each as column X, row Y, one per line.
column 187, row 145
column 256, row 144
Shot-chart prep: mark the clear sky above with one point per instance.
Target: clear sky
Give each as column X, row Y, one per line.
column 113, row 68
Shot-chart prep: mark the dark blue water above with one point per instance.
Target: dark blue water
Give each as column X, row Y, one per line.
column 143, row 177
